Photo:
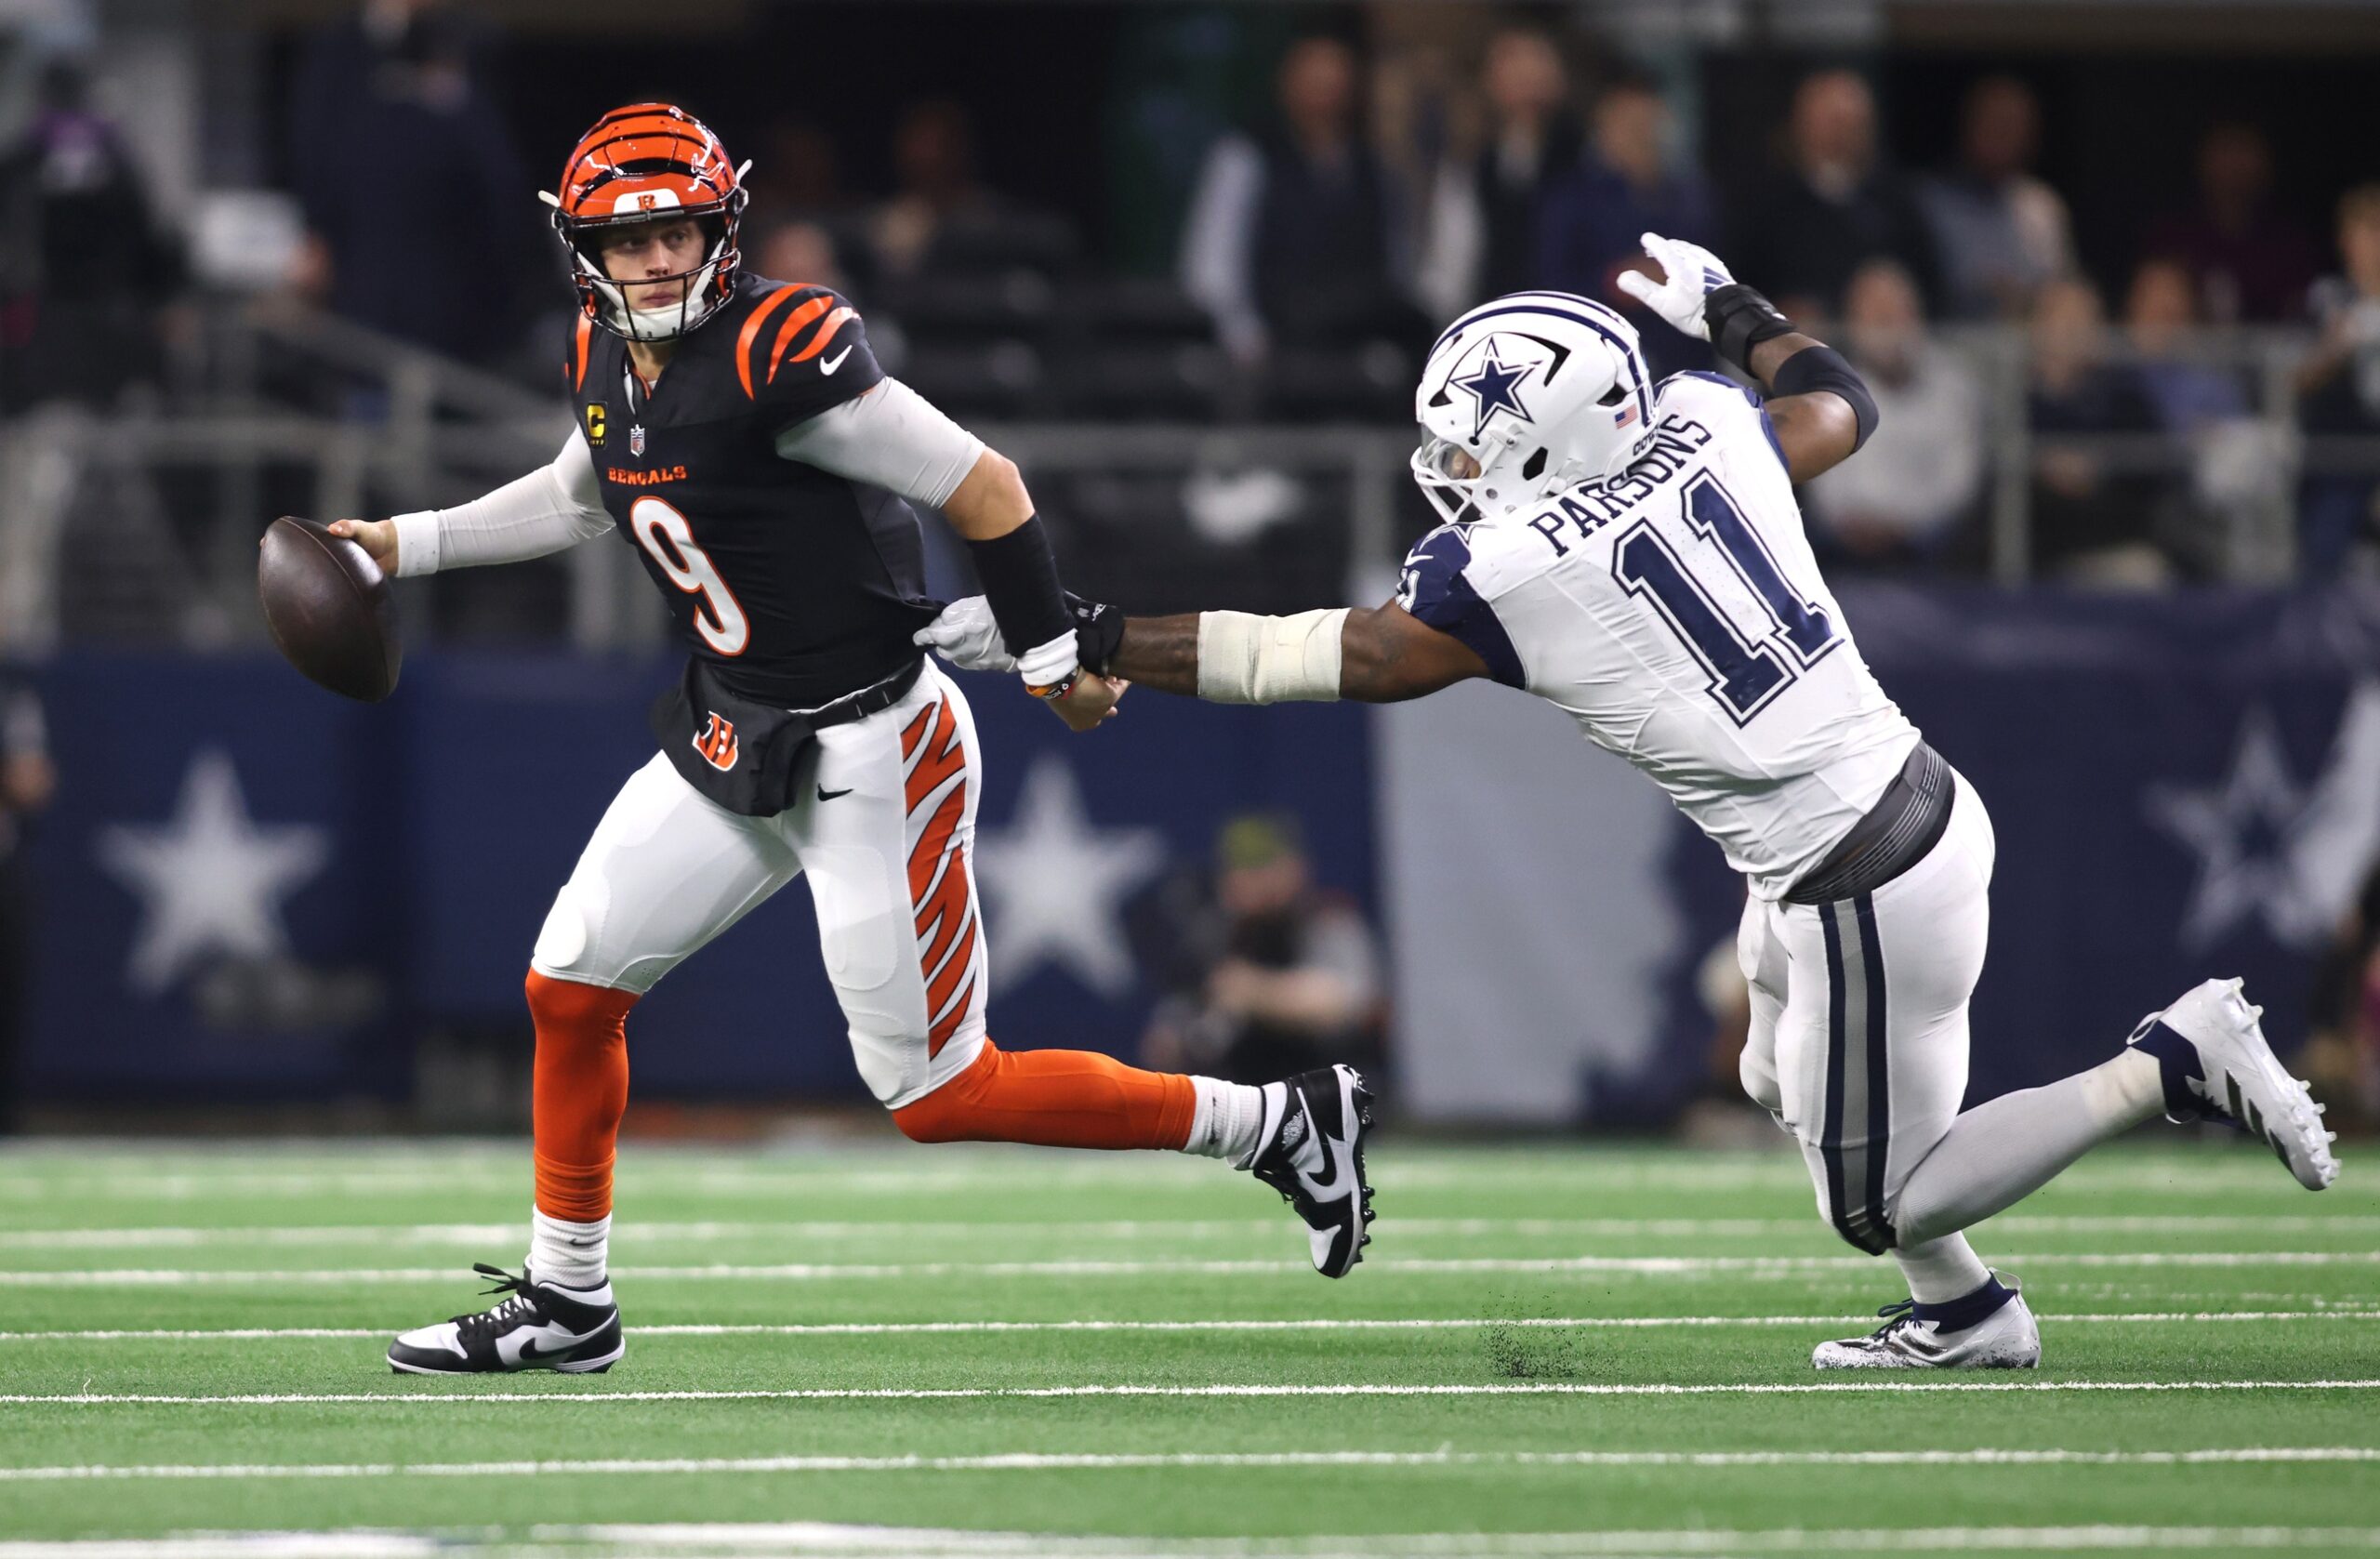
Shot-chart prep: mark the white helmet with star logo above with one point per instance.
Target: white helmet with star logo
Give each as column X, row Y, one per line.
column 1524, row 396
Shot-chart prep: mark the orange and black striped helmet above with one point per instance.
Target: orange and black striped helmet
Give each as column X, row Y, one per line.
column 644, row 163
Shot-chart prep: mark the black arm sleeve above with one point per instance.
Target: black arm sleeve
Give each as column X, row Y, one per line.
column 1824, row 368
column 1020, row 575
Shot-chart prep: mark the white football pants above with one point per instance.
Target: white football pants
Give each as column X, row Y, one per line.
column 885, row 828
column 1858, row 1036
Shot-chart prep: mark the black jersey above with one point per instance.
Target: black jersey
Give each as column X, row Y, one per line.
column 796, row 585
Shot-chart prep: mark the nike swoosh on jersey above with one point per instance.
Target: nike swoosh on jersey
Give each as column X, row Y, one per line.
column 829, row 365
column 827, row 795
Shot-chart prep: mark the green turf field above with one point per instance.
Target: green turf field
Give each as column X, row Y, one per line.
column 1551, row 1350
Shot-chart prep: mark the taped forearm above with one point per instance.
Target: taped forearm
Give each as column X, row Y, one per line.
column 552, row 507
column 1247, row 659
column 892, row 437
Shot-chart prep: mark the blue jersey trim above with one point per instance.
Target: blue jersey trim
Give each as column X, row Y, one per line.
column 1439, row 594
column 1759, row 404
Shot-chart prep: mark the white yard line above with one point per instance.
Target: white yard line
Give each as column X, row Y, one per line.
column 816, row 1539
column 706, row 1231
column 565, row 1397
column 835, row 1541
column 1321, row 1323
column 1100, row 1461
column 1682, row 1266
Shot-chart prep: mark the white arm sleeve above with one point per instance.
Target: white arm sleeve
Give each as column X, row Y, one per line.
column 553, row 507
column 892, row 437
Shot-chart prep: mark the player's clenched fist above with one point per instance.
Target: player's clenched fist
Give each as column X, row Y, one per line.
column 966, row 636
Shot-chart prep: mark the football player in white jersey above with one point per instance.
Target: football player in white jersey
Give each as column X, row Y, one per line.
column 1633, row 552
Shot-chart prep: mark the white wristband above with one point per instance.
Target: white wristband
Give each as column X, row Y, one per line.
column 417, row 543
column 1247, row 659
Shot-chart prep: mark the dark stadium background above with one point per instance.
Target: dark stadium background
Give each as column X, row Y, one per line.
column 2089, row 716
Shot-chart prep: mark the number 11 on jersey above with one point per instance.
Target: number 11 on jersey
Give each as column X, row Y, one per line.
column 1744, row 675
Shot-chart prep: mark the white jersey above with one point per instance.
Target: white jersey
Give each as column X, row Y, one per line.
column 1676, row 612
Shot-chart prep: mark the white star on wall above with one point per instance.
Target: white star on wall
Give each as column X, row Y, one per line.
column 209, row 880
column 1054, row 886
column 2327, row 838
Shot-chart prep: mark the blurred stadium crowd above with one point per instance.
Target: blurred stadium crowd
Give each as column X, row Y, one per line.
column 2192, row 409
column 1181, row 261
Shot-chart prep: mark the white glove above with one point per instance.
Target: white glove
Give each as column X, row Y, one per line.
column 1694, row 275
column 966, row 636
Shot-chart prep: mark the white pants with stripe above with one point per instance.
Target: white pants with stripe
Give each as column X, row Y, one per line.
column 1858, row 1038
column 884, row 828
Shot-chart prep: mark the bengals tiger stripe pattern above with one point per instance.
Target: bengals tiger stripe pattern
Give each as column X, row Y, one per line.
column 941, row 882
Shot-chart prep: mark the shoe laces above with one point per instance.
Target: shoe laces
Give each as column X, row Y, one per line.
column 521, row 1300
column 1899, row 1314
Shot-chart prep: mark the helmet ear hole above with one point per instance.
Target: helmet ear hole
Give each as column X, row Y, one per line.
column 1613, row 396
column 1534, row 467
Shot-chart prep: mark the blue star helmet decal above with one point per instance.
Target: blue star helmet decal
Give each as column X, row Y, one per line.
column 1493, row 385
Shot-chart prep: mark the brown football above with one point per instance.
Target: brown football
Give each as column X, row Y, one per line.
column 330, row 609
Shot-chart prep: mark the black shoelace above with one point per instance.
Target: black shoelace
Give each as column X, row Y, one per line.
column 1899, row 1314
column 520, row 1303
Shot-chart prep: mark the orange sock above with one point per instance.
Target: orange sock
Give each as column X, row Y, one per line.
column 580, row 1091
column 1054, row 1099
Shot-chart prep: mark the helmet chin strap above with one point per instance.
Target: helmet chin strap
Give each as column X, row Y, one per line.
column 670, row 320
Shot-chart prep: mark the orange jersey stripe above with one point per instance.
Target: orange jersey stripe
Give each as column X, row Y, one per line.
column 751, row 332
column 818, row 342
column 793, row 321
column 578, row 350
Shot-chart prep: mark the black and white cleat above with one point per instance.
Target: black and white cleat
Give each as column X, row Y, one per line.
column 541, row 1325
column 2218, row 1066
column 1312, row 1153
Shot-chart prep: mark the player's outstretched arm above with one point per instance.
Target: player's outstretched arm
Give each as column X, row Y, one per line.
column 1817, row 403
column 1381, row 654
column 553, row 507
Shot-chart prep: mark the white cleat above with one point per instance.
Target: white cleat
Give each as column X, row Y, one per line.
column 2237, row 1078
column 2007, row 1338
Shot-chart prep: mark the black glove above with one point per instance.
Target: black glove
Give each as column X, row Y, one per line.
column 1098, row 632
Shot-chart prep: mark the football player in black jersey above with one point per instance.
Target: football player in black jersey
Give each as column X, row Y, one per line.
column 739, row 434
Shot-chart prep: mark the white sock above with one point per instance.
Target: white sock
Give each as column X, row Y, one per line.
column 571, row 1255
column 1226, row 1121
column 1941, row 1270
column 1999, row 1153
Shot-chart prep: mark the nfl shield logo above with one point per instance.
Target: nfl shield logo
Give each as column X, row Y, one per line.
column 636, row 441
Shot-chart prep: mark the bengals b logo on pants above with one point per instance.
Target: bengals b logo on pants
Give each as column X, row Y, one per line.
column 716, row 742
